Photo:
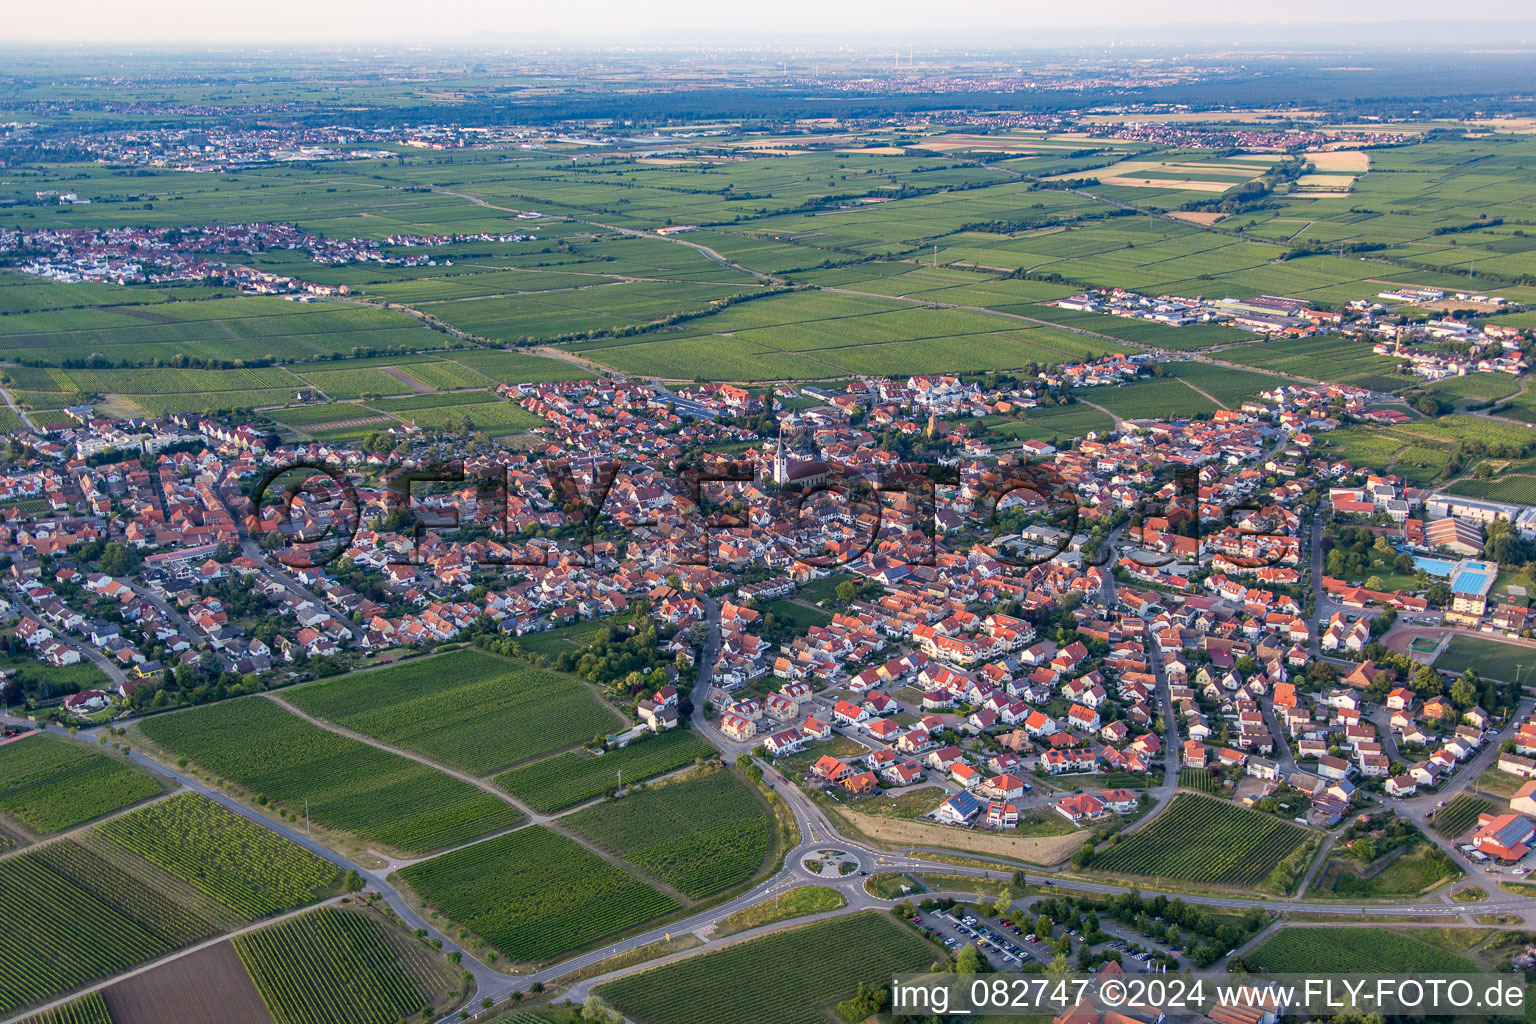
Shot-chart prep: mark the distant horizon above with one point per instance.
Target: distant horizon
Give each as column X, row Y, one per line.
column 990, row 25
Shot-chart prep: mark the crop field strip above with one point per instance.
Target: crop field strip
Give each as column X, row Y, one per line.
column 535, row 894
column 211, row 328
column 1198, row 839
column 252, row 871
column 49, row 784
column 88, row 1009
column 202, row 987
column 55, row 936
column 1155, row 398
column 814, row 335
column 1335, row 950
column 1461, row 814
column 701, row 836
column 811, row 968
column 138, row 886
column 564, row 780
column 336, row 966
column 350, row 786
column 468, row 709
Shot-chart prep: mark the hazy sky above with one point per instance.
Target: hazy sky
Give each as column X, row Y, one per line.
column 312, row 21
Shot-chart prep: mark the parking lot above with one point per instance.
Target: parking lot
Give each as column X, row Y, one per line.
column 1009, row 945
column 1003, row 941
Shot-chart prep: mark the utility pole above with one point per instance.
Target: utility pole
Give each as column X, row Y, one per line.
column 306, row 817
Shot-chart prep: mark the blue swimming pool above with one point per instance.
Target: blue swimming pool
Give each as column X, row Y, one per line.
column 1433, row 566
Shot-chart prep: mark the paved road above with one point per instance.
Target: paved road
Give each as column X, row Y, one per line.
column 83, row 647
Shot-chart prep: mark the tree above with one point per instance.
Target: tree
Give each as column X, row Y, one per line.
column 1427, row 682
column 595, row 1011
column 1374, row 583
column 353, row 882
column 115, row 559
column 1463, row 693
column 970, row 961
column 847, row 591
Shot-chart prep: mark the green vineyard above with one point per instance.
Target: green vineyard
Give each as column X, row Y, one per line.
column 81, row 864
column 534, row 894
column 91, row 1009
column 566, row 779
column 335, row 966
column 469, row 709
column 50, row 784
column 702, row 836
column 1461, row 814
column 56, row 935
column 1200, row 780
column 791, row 977
column 1198, row 839
column 1352, row 949
column 349, row 786
column 245, row 867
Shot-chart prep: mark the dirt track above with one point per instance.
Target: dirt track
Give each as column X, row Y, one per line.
column 1034, row 849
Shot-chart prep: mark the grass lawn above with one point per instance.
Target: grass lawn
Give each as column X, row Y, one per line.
column 791, row 618
column 1491, row 659
column 83, row 675
column 1502, row 783
column 1411, row 873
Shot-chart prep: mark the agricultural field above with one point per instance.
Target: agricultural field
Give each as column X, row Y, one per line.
column 1228, row 386
column 249, row 869
column 41, row 912
column 731, row 985
column 534, row 894
column 1332, row 949
column 701, row 836
column 246, row 327
column 497, row 418
column 337, row 965
column 577, row 636
column 199, row 988
column 468, row 709
column 1345, row 362
column 350, row 786
column 319, row 415
column 566, row 779
column 1146, row 333
column 1202, row 840
column 506, row 367
column 1475, row 388
column 554, row 315
column 78, row 909
column 1200, row 780
column 1151, row 398
column 1460, row 815
column 90, row 1009
column 49, row 784
column 1051, row 423
column 1519, row 488
column 819, row 334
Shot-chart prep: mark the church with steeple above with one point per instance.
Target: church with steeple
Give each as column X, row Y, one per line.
column 800, row 472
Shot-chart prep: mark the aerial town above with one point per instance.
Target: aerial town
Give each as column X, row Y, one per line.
column 539, row 542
